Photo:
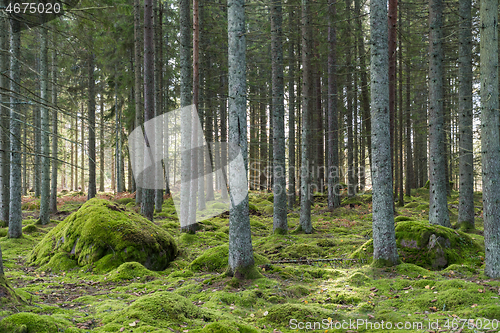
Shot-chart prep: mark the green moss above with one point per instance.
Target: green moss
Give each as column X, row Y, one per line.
column 411, row 205
column 358, row 279
column 161, row 308
column 3, row 224
column 402, row 218
column 219, row 205
column 25, row 322
column 30, row 228
column 356, row 201
column 31, row 205
column 489, row 311
column 226, row 327
column 280, row 231
column 412, row 270
column 301, row 250
column 106, row 235
column 125, row 201
column 4, row 232
column 216, row 260
column 423, row 207
column 131, row 270
column 281, row 314
column 7, row 294
column 252, row 208
column 60, row 262
column 268, row 210
column 270, row 197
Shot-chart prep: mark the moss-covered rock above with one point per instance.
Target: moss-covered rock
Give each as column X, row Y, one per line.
column 7, row 294
column 105, row 235
column 216, row 260
column 60, row 262
column 125, row 201
column 283, row 313
column 26, row 322
column 30, row 228
column 226, row 327
column 131, row 270
column 402, row 218
column 429, row 246
column 411, row 205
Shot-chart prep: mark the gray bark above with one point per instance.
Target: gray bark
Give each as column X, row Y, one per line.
column 44, row 129
column 15, row 217
column 438, row 205
column 305, row 176
column 4, row 121
column 185, row 92
column 333, row 149
column 384, row 238
column 158, row 97
column 280, row 224
column 351, row 182
column 137, row 83
column 92, row 191
column 291, row 115
column 147, row 203
column 241, row 258
column 490, row 136
column 53, row 190
column 466, row 168
column 101, row 142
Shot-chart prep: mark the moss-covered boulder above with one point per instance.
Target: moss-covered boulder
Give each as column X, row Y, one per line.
column 429, row 246
column 103, row 235
column 131, row 270
column 26, row 322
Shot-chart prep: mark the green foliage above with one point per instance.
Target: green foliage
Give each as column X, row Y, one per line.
column 103, row 234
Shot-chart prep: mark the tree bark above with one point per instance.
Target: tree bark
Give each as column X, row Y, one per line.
column 4, row 121
column 291, row 113
column 55, row 137
column 280, row 224
column 158, row 97
column 241, row 259
column 466, row 159
column 490, row 144
column 438, row 205
column 91, row 111
column 384, row 239
column 15, row 216
column 305, row 186
column 44, row 129
column 137, row 85
column 147, row 203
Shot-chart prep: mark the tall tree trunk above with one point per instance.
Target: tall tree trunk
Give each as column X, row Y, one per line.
column 466, row 199
column 101, row 142
column 15, row 216
column 305, row 186
column 185, row 92
column 147, row 203
column 240, row 238
column 44, row 130
column 158, row 97
column 4, row 122
column 349, row 111
column 489, row 135
column 55, row 137
column 82, row 169
column 392, row 21
column 438, row 205
column 291, row 112
column 263, row 140
column 137, row 85
column 384, row 238
column 400, row 112
column 333, row 150
column 410, row 177
column 280, row 224
column 91, row 111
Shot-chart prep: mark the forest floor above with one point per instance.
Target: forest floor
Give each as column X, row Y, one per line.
column 319, row 296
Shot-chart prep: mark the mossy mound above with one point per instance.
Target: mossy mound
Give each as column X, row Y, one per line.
column 106, row 235
column 4, row 232
column 60, row 262
column 354, row 201
column 402, row 218
column 216, row 260
column 130, row 270
column 411, row 205
column 429, row 246
column 30, row 228
column 226, row 327
column 7, row 294
column 31, row 205
column 283, row 313
column 125, row 201
column 162, row 308
column 26, row 322
column 358, row 279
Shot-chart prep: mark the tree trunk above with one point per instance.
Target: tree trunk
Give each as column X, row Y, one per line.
column 15, row 216
column 158, row 97
column 263, row 140
column 349, row 111
column 185, row 92
column 489, row 135
column 55, row 148
column 241, row 260
column 280, row 224
column 410, row 176
column 466, row 200
column 44, row 129
column 291, row 113
column 384, row 239
column 392, row 21
column 91, row 110
column 4, row 122
column 137, row 85
column 147, row 203
column 438, row 205
column 333, row 150
column 101, row 142
column 305, row 186
column 400, row 113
